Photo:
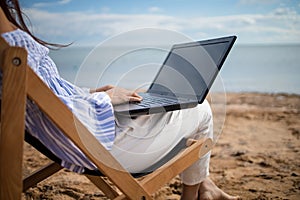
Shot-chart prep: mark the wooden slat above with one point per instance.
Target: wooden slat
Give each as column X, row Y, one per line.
column 14, row 61
column 39, row 175
column 107, row 189
column 82, row 138
column 180, row 162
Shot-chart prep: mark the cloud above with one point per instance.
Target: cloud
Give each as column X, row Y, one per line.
column 155, row 9
column 285, row 11
column 258, row 2
column 281, row 25
column 105, row 9
column 46, row 4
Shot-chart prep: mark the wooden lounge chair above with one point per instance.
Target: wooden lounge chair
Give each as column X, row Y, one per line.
column 20, row 83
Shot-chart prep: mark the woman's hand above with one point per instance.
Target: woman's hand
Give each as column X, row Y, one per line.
column 121, row 95
column 118, row 95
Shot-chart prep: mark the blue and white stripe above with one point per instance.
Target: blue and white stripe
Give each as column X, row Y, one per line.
column 93, row 110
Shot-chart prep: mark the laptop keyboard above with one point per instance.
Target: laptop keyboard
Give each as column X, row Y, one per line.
column 152, row 100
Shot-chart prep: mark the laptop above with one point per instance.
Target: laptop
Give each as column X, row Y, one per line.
column 184, row 79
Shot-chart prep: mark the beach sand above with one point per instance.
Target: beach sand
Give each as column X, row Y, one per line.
column 256, row 156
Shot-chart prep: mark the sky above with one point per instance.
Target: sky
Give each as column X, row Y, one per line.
column 87, row 22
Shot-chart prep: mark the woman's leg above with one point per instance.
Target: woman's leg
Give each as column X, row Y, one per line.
column 142, row 142
column 196, row 184
column 190, row 192
column 199, row 171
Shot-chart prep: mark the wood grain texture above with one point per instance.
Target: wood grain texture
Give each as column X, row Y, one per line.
column 14, row 61
column 179, row 163
column 40, row 175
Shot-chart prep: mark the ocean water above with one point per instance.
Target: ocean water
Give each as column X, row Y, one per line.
column 248, row 68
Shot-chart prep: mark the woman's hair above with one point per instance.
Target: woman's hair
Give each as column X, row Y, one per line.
column 12, row 10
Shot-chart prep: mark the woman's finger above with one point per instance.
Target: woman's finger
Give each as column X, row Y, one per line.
column 134, row 99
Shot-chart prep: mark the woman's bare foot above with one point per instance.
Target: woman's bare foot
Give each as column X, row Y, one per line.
column 209, row 191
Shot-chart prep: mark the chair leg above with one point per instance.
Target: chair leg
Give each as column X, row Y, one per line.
column 40, row 175
column 104, row 186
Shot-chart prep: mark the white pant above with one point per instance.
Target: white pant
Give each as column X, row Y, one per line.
column 143, row 141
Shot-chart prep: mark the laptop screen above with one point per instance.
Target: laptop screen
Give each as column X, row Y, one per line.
column 190, row 69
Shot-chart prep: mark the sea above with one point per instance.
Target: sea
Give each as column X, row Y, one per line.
column 264, row 68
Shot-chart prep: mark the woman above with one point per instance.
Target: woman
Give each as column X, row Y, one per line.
column 124, row 137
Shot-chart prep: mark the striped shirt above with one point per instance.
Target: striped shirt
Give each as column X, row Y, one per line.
column 95, row 110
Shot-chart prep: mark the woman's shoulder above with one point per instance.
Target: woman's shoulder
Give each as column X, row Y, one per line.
column 18, row 37
column 12, row 33
column 15, row 36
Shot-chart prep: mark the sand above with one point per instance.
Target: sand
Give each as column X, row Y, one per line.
column 256, row 156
